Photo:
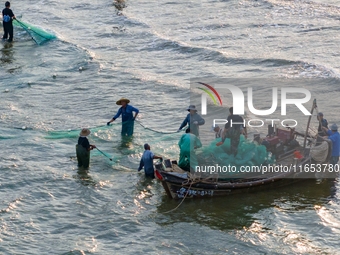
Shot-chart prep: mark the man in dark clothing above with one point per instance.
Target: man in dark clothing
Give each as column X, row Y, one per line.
column 322, row 123
column 83, row 148
column 7, row 18
column 233, row 129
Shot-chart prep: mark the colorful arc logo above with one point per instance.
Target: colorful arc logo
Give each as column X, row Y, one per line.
column 210, row 91
column 211, row 94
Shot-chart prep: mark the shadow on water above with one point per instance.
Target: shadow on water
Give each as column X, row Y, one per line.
column 237, row 211
column 144, row 186
column 7, row 54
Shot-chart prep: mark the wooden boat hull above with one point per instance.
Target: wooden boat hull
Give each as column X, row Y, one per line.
column 177, row 191
column 179, row 185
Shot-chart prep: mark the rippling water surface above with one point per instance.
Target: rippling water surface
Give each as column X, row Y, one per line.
column 149, row 51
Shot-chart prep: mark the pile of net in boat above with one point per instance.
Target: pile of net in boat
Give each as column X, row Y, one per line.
column 38, row 34
column 249, row 154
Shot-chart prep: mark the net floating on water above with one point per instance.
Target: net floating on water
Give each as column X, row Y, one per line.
column 39, row 35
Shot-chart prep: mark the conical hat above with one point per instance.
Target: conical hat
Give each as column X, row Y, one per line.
column 85, row 132
column 119, row 102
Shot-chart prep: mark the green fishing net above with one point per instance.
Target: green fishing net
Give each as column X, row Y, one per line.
column 38, row 34
column 72, row 133
column 248, row 154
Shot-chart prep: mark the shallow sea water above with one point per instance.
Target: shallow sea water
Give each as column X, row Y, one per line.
column 149, row 51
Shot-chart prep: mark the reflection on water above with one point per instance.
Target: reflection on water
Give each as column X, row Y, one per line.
column 7, row 53
column 126, row 142
column 237, row 211
column 84, row 178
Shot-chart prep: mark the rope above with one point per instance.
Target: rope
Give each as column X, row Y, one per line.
column 70, row 133
column 181, row 201
column 156, row 131
column 193, row 181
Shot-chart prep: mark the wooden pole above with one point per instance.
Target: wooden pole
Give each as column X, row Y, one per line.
column 310, row 116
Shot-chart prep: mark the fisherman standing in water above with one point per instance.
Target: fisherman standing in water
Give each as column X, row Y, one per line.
column 147, row 162
column 127, row 116
column 194, row 120
column 7, row 18
column 83, row 148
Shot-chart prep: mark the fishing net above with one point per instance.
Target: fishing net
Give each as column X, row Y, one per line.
column 72, row 133
column 319, row 153
column 122, row 148
column 249, row 154
column 38, row 34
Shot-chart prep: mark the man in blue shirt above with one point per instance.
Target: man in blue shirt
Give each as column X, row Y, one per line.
column 127, row 116
column 7, row 17
column 147, row 162
column 194, row 120
column 334, row 136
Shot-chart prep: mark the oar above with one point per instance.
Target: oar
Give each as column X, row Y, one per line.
column 104, row 154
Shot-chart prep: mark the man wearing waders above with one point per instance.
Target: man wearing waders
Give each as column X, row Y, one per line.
column 83, row 148
column 7, row 18
column 127, row 116
column 233, row 129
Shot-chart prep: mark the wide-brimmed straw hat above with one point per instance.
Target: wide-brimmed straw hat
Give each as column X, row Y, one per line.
column 85, row 132
column 119, row 102
column 192, row 107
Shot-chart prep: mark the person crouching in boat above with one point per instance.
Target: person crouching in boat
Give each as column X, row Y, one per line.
column 334, row 136
column 83, row 148
column 193, row 119
column 187, row 156
column 147, row 162
column 128, row 119
column 218, row 131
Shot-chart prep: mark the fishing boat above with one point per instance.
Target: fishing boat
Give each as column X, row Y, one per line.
column 294, row 162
